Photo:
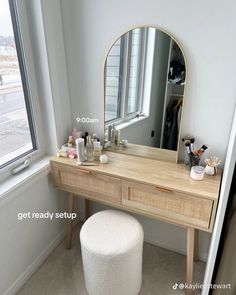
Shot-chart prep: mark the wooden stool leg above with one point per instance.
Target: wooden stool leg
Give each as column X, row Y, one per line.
column 87, row 209
column 70, row 210
column 190, row 257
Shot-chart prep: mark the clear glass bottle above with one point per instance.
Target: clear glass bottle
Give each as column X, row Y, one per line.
column 97, row 150
column 117, row 137
column 89, row 149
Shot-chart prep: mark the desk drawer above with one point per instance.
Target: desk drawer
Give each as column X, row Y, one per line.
column 83, row 181
column 169, row 205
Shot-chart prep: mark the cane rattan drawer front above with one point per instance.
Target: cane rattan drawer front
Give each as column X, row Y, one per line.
column 85, row 182
column 156, row 189
column 167, row 204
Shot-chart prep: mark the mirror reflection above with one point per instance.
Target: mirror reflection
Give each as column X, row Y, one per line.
column 144, row 79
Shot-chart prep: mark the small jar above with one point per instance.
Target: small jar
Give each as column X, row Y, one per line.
column 197, row 172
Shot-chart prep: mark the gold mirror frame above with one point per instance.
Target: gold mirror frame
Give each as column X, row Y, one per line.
column 141, row 150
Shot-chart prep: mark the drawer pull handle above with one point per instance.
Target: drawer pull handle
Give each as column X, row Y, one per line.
column 161, row 189
column 84, row 171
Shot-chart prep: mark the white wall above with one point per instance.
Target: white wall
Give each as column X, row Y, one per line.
column 23, row 244
column 42, row 32
column 204, row 29
column 51, row 11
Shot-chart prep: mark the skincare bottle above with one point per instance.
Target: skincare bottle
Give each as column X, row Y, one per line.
column 97, row 150
column 89, row 149
column 71, row 141
column 80, row 149
column 85, row 137
column 117, row 137
column 95, row 137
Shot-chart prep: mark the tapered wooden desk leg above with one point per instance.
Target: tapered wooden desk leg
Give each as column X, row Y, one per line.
column 70, row 209
column 87, row 209
column 196, row 243
column 190, row 257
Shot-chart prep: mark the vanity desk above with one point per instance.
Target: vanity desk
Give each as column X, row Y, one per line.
column 156, row 189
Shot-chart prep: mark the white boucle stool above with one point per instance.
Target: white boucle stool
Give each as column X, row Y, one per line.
column 112, row 247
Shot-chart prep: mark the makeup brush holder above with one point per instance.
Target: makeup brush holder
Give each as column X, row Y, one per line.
column 192, row 160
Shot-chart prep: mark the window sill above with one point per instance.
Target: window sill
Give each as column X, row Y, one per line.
column 131, row 122
column 15, row 183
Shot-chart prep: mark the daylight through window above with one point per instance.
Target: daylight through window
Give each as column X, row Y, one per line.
column 16, row 125
column 125, row 76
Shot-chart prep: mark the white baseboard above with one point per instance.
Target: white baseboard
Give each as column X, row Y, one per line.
column 22, row 279
column 201, row 255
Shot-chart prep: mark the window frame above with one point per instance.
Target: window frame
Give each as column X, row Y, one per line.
column 125, row 116
column 24, row 82
column 128, row 114
column 28, row 28
column 121, row 82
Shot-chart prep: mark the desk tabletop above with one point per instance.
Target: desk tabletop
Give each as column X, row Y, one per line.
column 153, row 172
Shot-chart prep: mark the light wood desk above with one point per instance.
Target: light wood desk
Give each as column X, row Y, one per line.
column 156, row 189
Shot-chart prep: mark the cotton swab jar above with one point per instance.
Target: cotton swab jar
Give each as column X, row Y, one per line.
column 197, row 172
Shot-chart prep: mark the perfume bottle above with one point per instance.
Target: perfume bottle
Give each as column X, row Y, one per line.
column 71, row 141
column 89, row 149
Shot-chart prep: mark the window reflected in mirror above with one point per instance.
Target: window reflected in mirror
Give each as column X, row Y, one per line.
column 144, row 88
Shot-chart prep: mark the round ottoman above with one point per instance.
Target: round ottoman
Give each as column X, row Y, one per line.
column 112, row 247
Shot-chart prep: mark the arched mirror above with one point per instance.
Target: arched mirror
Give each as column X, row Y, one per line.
column 144, row 81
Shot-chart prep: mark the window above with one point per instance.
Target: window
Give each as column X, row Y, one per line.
column 134, row 67
column 113, row 72
column 124, row 76
column 17, row 136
